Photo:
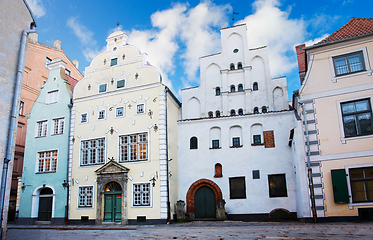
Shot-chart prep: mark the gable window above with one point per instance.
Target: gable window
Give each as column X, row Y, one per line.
column 361, row 184
column 255, row 86
column 349, row 63
column 193, row 143
column 92, row 151
column 237, row 188
column 233, row 88
column 141, row 108
column 47, row 161
column 217, row 91
column 232, row 66
column 233, row 112
column 240, row 112
column 215, row 143
column 239, row 65
column 58, row 125
column 47, row 61
column 141, row 194
column 121, row 83
column 52, row 97
column 102, row 88
column 83, row 118
column 67, row 72
column 85, row 196
column 21, row 105
column 119, row 112
column 133, row 147
column 42, row 128
column 113, row 61
column 217, row 113
column 240, row 87
column 236, row 142
column 256, row 110
column 264, row 109
column 277, row 185
column 357, row 118
column 101, row 114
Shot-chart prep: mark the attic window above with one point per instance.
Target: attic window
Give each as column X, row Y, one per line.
column 114, row 49
column 235, row 50
column 114, row 62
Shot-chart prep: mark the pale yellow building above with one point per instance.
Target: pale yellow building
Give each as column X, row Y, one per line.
column 337, row 94
column 123, row 154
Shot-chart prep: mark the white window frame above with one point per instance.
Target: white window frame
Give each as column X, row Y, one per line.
column 98, row 114
column 44, row 128
column 340, row 119
column 367, row 70
column 47, row 62
column 351, row 204
column 44, row 162
column 88, row 149
column 99, row 86
column 150, row 195
column 81, row 115
column 60, row 126
column 124, row 111
column 52, row 98
column 144, row 107
column 93, row 197
column 128, row 144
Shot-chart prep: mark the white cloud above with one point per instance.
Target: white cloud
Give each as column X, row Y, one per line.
column 316, row 40
column 37, row 8
column 271, row 26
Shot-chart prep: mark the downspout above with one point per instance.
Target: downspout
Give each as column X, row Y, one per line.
column 168, row 175
column 310, row 180
column 70, row 105
column 14, row 117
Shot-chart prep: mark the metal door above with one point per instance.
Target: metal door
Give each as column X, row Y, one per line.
column 205, row 203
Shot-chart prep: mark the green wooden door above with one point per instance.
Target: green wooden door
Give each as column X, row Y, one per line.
column 45, row 209
column 113, row 203
column 204, row 203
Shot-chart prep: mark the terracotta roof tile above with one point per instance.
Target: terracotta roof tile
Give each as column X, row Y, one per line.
column 354, row 28
column 72, row 81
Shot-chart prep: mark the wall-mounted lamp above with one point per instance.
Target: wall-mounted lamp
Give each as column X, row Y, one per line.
column 89, row 87
column 153, row 180
column 111, row 130
column 112, row 81
column 136, row 76
column 65, row 184
column 150, row 113
column 155, row 128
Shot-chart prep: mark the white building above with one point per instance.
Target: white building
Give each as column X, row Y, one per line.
column 236, row 138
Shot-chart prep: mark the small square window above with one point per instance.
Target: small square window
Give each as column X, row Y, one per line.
column 257, row 139
column 84, row 118
column 236, row 141
column 67, row 72
column 120, row 83
column 140, row 108
column 256, row 174
column 215, row 143
column 237, row 188
column 119, row 112
column 47, row 61
column 102, row 88
column 277, row 185
column 113, row 61
column 101, row 114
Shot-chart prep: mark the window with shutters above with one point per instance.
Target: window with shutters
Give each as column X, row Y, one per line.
column 193, row 143
column 361, row 180
column 339, row 182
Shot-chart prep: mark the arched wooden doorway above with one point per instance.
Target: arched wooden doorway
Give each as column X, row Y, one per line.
column 45, row 204
column 113, row 202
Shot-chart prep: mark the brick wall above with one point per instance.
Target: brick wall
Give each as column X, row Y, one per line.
column 302, row 64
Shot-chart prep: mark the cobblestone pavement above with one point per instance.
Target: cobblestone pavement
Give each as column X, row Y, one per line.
column 197, row 230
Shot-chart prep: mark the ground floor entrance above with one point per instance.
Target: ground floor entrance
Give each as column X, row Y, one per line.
column 113, row 203
column 205, row 204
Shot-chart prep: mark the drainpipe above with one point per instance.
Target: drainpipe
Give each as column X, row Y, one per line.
column 70, row 105
column 14, row 118
column 310, row 179
column 168, row 175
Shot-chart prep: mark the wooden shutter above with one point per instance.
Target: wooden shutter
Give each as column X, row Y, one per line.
column 340, row 190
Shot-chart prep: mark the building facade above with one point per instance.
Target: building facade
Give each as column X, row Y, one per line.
column 233, row 139
column 339, row 120
column 44, row 179
column 123, row 137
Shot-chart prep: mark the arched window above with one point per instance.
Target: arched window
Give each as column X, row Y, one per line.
column 217, row 91
column 256, row 110
column 211, row 115
column 217, row 113
column 233, row 112
column 240, row 87
column 232, row 66
column 239, row 65
column 264, row 109
column 255, row 86
column 218, row 170
column 240, row 111
column 233, row 88
column 193, row 143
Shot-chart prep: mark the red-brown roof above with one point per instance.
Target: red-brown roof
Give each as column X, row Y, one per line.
column 72, row 81
column 356, row 27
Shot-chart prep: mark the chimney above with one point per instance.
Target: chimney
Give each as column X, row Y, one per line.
column 302, row 62
column 76, row 63
column 33, row 37
column 57, row 44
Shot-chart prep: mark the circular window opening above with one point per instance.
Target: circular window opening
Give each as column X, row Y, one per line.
column 114, row 49
column 235, row 50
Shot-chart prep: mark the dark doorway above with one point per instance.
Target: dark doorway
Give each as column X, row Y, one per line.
column 205, row 203
column 113, row 202
column 45, row 204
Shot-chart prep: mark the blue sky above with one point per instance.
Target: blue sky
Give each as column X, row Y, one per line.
column 175, row 34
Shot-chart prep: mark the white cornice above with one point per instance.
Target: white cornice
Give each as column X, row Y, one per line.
column 342, row 156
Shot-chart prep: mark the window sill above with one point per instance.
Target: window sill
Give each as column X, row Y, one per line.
column 352, row 205
column 45, row 172
column 215, row 148
column 239, row 146
column 93, row 164
column 134, row 161
column 347, row 75
column 56, row 134
column 257, row 144
column 344, row 139
column 218, row 176
column 40, row 136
